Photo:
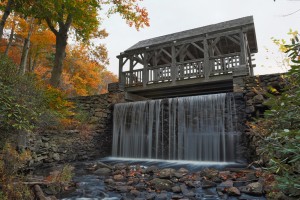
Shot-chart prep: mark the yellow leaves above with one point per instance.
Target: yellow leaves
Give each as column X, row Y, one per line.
column 293, row 33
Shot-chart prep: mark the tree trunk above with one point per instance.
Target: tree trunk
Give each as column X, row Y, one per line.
column 11, row 37
column 26, row 49
column 5, row 16
column 60, row 54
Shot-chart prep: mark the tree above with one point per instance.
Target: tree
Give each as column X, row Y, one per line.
column 82, row 17
column 7, row 8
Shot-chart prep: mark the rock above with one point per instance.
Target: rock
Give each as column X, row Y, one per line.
column 120, row 166
column 150, row 196
column 124, row 188
column 183, row 170
column 178, row 174
column 226, row 184
column 161, row 184
column 176, row 189
column 233, row 191
column 162, row 196
column 177, row 196
column 102, row 165
column 166, row 173
column 109, row 181
column 186, row 192
column 258, row 99
column 224, row 175
column 209, row 173
column 102, row 171
column 56, row 157
column 208, row 184
column 140, row 186
column 135, row 192
column 255, row 188
column 118, row 177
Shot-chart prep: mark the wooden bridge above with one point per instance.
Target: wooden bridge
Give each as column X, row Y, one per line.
column 197, row 61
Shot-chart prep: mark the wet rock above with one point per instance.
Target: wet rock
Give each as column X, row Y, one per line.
column 120, row 166
column 178, row 174
column 177, row 196
column 161, row 184
column 118, row 177
column 109, row 181
column 186, row 192
column 150, row 196
column 176, row 189
column 233, row 191
column 255, row 188
column 183, row 171
column 208, row 184
column 209, row 173
column 224, row 175
column 162, row 196
column 140, row 186
column 135, row 192
column 102, row 171
column 151, row 169
column 124, row 188
column 166, row 173
column 103, row 165
column 226, row 184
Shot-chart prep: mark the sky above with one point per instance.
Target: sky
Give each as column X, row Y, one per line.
column 271, row 19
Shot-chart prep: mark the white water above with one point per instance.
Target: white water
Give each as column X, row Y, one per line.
column 198, row 128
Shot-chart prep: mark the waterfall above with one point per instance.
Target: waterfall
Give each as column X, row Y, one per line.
column 201, row 128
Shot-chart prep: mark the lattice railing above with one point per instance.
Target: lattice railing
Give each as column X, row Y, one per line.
column 159, row 74
column 190, row 69
column 224, row 64
column 134, row 77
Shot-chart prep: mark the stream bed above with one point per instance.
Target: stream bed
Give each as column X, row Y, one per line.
column 116, row 179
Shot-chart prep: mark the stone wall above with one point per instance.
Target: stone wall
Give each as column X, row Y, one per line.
column 84, row 142
column 255, row 90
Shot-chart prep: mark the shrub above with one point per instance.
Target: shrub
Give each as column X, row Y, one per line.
column 280, row 128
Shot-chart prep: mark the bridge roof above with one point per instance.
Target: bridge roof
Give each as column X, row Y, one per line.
column 210, row 29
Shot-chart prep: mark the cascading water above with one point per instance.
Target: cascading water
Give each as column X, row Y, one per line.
column 201, row 128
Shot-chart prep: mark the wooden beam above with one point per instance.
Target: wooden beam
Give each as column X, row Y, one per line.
column 233, row 39
column 133, row 97
column 167, row 53
column 197, row 46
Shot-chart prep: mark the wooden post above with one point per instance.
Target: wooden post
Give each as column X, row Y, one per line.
column 131, row 70
column 155, row 70
column 173, row 66
column 206, row 67
column 122, row 79
column 243, row 49
column 145, row 70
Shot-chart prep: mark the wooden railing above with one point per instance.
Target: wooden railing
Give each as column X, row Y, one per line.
column 159, row 74
column 183, row 70
column 134, row 77
column 224, row 64
column 190, row 69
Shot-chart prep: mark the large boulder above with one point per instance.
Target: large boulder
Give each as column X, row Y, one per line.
column 161, row 184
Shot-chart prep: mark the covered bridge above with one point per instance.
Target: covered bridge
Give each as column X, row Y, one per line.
column 197, row 61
